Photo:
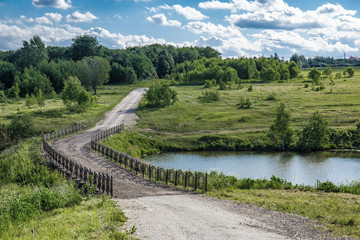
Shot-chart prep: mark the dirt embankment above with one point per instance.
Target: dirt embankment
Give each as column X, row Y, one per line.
column 161, row 212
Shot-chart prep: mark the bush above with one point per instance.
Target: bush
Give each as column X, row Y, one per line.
column 74, row 96
column 225, row 85
column 244, row 103
column 315, row 74
column 160, row 94
column 338, row 75
column 209, row 96
column 250, row 89
column 271, row 97
column 21, row 126
column 2, row 97
column 350, row 71
column 210, row 83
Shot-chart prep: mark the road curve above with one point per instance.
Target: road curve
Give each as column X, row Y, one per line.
column 161, row 212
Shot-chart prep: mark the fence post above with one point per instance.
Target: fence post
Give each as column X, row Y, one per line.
column 176, row 175
column 206, row 177
column 149, row 172
column 103, row 183
column 166, row 176
column 186, row 177
column 195, row 181
column 112, row 187
column 157, row 173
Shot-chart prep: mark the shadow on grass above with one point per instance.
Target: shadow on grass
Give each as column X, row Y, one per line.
column 53, row 113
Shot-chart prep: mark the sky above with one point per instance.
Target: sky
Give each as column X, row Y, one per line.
column 236, row 28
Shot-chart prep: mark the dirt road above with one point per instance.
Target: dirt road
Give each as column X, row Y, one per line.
column 161, row 212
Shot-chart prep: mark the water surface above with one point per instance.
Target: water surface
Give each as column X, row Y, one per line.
column 338, row 167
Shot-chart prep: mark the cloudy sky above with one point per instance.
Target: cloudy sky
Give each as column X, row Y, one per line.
column 233, row 27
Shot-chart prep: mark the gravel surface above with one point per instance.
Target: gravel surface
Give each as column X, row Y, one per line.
column 162, row 212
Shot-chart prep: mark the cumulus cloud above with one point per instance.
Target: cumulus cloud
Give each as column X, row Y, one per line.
column 56, row 17
column 80, row 17
column 212, row 29
column 43, row 20
column 162, row 20
column 189, row 12
column 63, row 4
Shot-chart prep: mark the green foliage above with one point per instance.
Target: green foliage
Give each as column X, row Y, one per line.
column 29, row 101
column 210, row 96
column 3, row 98
column 269, row 74
column 250, row 88
column 315, row 74
column 120, row 74
column 21, row 126
column 93, row 71
column 327, row 71
column 210, row 83
column 84, row 46
column 244, row 103
column 306, row 85
column 14, row 91
column 32, row 80
column 74, row 96
column 350, row 71
column 225, row 85
column 293, row 70
column 165, row 64
column 7, row 74
column 40, row 100
column 32, row 53
column 280, row 131
column 316, row 135
column 160, row 94
column 338, row 75
column 271, row 97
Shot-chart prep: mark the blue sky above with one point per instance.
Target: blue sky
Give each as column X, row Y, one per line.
column 233, row 27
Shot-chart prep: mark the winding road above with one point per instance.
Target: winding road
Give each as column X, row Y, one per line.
column 162, row 212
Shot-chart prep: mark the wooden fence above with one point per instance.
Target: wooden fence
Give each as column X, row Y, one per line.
column 186, row 179
column 102, row 182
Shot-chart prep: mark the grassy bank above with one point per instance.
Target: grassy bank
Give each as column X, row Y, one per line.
column 38, row 203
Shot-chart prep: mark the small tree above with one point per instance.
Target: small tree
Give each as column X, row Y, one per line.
column 280, row 130
column 327, row 71
column 293, row 69
column 2, row 97
column 74, row 96
column 350, row 71
column 315, row 74
column 21, row 126
column 160, row 94
column 316, row 135
column 40, row 99
column 29, row 100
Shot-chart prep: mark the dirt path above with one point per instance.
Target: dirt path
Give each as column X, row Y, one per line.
column 161, row 212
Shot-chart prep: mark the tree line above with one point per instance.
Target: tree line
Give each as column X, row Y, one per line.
column 323, row 62
column 36, row 67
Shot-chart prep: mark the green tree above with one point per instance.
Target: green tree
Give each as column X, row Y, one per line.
column 293, row 69
column 93, row 71
column 14, row 91
column 29, row 101
column 315, row 74
column 280, row 130
column 40, row 100
column 327, row 71
column 316, row 135
column 74, row 96
column 32, row 53
column 120, row 74
column 350, row 71
column 21, row 126
column 269, row 74
column 84, row 46
column 165, row 64
column 32, row 80
column 160, row 94
column 7, row 74
column 2, row 97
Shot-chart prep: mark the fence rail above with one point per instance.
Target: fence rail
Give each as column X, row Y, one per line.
column 186, row 179
column 102, row 182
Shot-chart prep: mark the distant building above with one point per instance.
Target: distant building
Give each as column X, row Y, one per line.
column 353, row 58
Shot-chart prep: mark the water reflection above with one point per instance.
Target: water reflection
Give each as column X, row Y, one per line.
column 338, row 167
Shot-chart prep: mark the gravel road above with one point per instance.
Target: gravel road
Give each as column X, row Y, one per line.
column 161, row 212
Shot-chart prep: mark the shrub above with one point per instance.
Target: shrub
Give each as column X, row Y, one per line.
column 160, row 94
column 209, row 96
column 225, row 85
column 244, row 103
column 271, row 97
column 74, row 96
column 306, row 85
column 21, row 126
column 250, row 89
column 338, row 75
column 210, row 83
column 2, row 97
column 315, row 74
column 350, row 71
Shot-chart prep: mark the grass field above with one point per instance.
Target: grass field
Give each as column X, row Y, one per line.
column 55, row 115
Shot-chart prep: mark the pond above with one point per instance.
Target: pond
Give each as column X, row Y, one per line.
column 337, row 167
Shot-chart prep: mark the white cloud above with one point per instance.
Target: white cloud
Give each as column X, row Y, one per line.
column 216, row 5
column 162, row 20
column 24, row 18
column 189, row 12
column 63, row 4
column 117, row 16
column 56, row 17
column 43, row 20
column 81, row 17
column 212, row 29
